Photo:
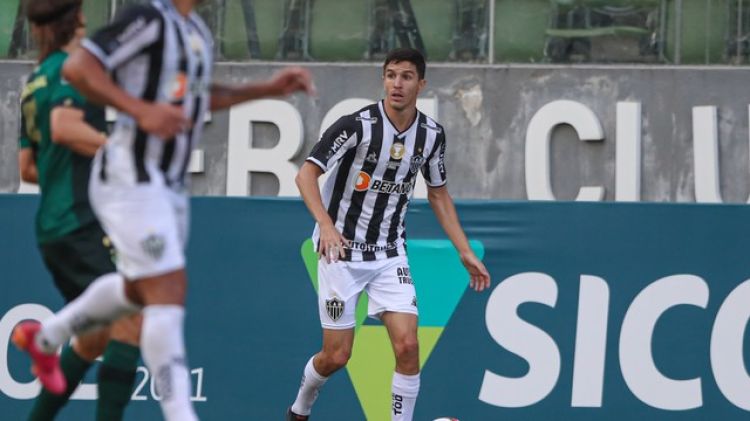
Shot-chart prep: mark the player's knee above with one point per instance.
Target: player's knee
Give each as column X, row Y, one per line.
column 127, row 329
column 91, row 346
column 406, row 349
column 339, row 358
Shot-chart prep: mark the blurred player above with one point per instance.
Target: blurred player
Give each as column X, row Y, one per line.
column 374, row 156
column 60, row 132
column 153, row 63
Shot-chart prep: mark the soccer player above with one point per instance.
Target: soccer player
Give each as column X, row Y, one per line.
column 60, row 132
column 374, row 156
column 160, row 58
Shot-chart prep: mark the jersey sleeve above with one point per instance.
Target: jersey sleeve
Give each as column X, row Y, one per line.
column 67, row 96
column 133, row 30
column 434, row 172
column 23, row 139
column 28, row 111
column 336, row 140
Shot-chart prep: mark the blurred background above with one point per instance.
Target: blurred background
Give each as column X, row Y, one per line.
column 473, row 31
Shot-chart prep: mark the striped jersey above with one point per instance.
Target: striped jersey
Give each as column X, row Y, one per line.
column 372, row 171
column 158, row 55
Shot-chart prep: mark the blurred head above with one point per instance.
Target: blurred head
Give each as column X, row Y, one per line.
column 403, row 78
column 55, row 23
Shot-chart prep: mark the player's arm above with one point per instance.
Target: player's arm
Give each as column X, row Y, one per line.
column 284, row 82
column 85, row 72
column 27, row 165
column 135, row 30
column 69, row 128
column 331, row 241
column 26, row 159
column 445, row 211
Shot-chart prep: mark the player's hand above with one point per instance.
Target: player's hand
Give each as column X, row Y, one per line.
column 480, row 277
column 162, row 120
column 292, row 79
column 332, row 244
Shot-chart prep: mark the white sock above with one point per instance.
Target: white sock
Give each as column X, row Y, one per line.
column 308, row 390
column 103, row 302
column 163, row 348
column 405, row 389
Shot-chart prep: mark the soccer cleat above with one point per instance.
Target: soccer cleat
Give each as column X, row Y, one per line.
column 45, row 366
column 291, row 416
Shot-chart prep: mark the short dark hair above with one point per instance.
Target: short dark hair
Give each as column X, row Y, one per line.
column 61, row 16
column 411, row 55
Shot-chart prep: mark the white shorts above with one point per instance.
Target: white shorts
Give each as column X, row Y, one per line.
column 388, row 284
column 147, row 223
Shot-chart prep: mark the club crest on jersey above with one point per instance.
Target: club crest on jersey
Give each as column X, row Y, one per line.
column 397, row 151
column 334, row 308
column 362, row 182
column 416, row 163
column 153, row 245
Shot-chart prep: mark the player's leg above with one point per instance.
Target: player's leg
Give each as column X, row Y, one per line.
column 335, row 353
column 402, row 330
column 75, row 361
column 152, row 254
column 74, row 261
column 393, row 300
column 338, row 292
column 162, row 340
column 117, row 371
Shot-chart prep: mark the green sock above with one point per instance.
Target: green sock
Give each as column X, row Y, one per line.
column 116, row 378
column 47, row 405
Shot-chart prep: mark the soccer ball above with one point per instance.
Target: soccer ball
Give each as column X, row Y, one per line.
column 446, row 419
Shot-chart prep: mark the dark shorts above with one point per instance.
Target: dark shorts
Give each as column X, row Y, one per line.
column 77, row 259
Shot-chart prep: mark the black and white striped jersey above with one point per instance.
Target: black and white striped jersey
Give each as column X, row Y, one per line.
column 156, row 54
column 373, row 168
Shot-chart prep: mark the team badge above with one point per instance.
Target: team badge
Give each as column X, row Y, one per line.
column 416, row 163
column 334, row 308
column 153, row 245
column 397, row 151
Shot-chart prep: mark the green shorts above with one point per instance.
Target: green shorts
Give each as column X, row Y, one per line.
column 77, row 259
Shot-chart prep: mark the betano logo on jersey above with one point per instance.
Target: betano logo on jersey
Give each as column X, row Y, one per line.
column 364, row 181
column 178, row 87
column 435, row 263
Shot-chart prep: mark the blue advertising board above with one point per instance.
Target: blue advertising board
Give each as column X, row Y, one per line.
column 596, row 311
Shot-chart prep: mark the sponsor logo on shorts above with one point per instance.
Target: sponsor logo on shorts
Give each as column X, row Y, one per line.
column 414, row 301
column 153, row 245
column 335, row 308
column 404, row 277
